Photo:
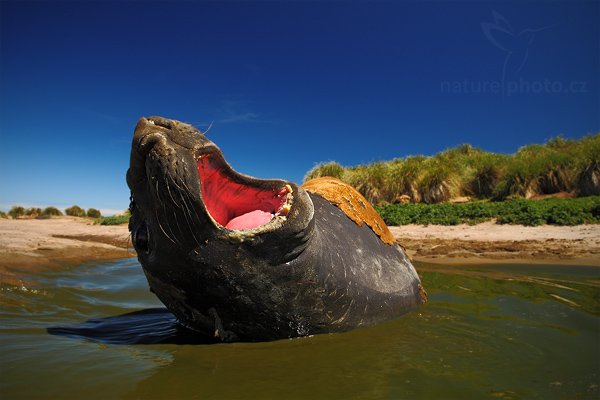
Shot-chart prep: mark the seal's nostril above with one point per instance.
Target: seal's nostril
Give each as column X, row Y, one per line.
column 148, row 141
column 162, row 122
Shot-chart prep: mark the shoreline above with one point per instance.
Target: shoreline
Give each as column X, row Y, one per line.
column 489, row 242
column 32, row 244
column 35, row 245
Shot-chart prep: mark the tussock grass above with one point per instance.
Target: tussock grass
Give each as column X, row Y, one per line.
column 325, row 169
column 93, row 213
column 51, row 212
column 370, row 180
column 75, row 211
column 559, row 165
column 16, row 211
column 588, row 176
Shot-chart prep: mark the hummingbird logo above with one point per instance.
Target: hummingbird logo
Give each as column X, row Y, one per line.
column 515, row 44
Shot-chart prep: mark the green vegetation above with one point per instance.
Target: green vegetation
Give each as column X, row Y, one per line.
column 20, row 211
column 114, row 219
column 93, row 213
column 16, row 211
column 560, row 165
column 75, row 211
column 51, row 212
column 525, row 212
column 33, row 212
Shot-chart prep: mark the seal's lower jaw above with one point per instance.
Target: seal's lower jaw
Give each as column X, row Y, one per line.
column 240, row 202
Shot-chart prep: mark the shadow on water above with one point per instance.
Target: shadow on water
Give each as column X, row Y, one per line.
column 149, row 326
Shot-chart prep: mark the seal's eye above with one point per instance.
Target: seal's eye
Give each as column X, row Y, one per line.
column 140, row 238
column 131, row 204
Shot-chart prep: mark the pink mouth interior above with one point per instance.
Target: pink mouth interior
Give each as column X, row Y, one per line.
column 235, row 205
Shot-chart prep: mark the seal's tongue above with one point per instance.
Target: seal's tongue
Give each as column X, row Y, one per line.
column 252, row 219
column 235, row 204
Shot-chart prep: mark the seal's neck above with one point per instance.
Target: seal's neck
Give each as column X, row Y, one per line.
column 292, row 237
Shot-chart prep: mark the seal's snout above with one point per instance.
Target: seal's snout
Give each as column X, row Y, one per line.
column 160, row 121
column 146, row 135
column 148, row 141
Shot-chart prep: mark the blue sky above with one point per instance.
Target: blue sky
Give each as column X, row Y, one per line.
column 285, row 85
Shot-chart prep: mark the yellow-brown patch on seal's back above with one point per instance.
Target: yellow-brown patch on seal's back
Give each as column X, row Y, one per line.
column 352, row 203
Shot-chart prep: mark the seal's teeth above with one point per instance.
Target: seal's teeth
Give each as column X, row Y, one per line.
column 287, row 189
column 285, row 210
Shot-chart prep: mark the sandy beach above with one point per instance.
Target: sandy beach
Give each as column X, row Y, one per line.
column 27, row 244
column 489, row 242
column 33, row 243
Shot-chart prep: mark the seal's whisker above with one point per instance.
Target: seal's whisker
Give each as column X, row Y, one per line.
column 169, row 226
column 157, row 192
column 188, row 193
column 157, row 215
column 189, row 220
column 127, row 243
column 162, row 204
column 209, row 128
column 162, row 229
column 173, row 180
column 177, row 222
column 177, row 204
column 175, row 237
column 126, row 240
column 170, row 177
column 168, row 174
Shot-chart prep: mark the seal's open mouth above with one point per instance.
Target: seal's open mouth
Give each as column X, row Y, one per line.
column 234, row 202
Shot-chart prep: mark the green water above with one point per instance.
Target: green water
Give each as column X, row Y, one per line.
column 504, row 331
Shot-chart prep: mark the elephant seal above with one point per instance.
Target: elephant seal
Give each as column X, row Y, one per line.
column 247, row 259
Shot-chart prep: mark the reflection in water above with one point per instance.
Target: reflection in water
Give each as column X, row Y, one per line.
column 487, row 332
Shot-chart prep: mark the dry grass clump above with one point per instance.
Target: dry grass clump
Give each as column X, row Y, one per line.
column 559, row 165
column 405, row 176
column 93, row 213
column 75, row 211
column 16, row 212
column 370, row 180
column 588, row 181
column 486, row 175
column 331, row 168
column 51, row 212
column 588, row 177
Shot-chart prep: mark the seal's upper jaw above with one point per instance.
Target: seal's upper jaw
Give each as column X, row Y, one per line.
column 165, row 156
column 157, row 132
column 240, row 202
column 177, row 132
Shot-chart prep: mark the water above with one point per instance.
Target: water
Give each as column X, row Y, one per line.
column 503, row 331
